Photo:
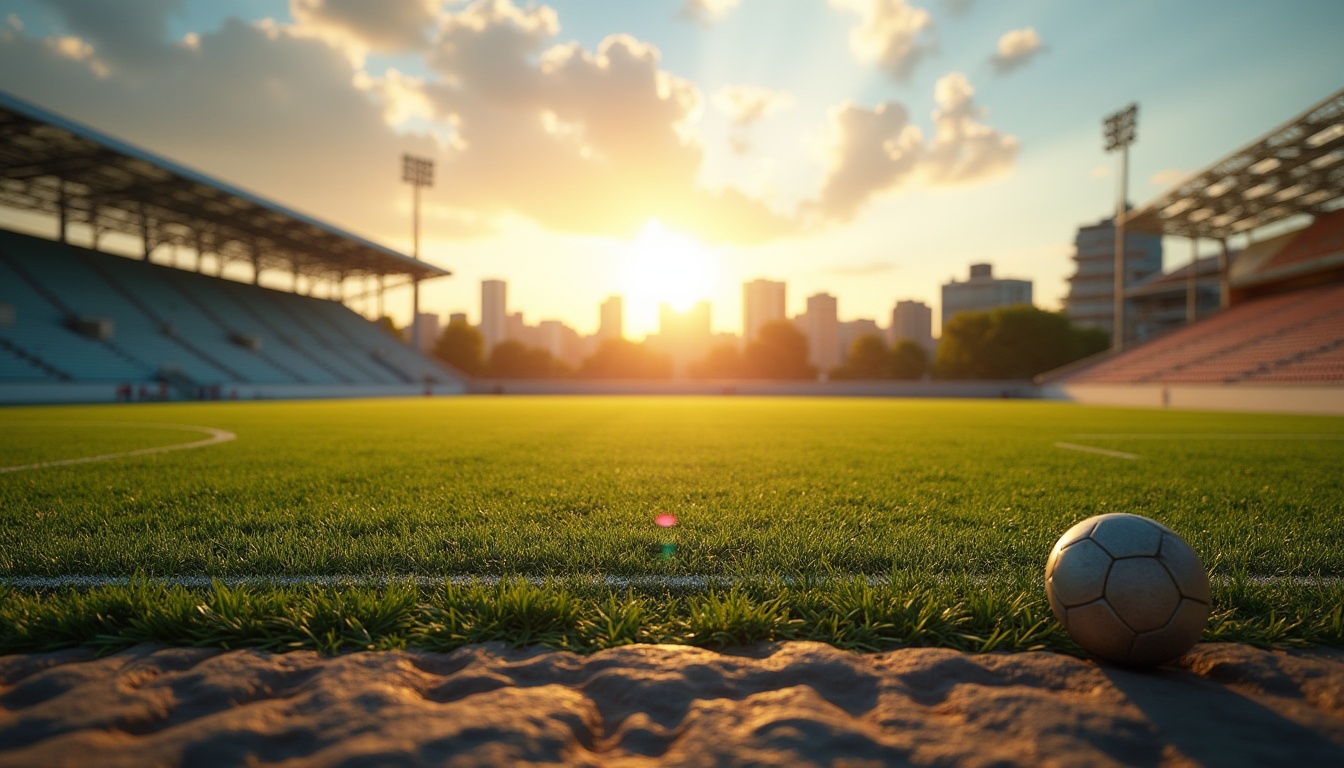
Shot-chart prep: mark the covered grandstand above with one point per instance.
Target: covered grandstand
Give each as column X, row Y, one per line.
column 78, row 324
column 1277, row 341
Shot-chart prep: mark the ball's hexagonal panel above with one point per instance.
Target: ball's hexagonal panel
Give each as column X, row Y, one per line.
column 1177, row 637
column 1125, row 535
column 1077, row 533
column 1184, row 565
column 1142, row 593
column 1079, row 575
column 1096, row 627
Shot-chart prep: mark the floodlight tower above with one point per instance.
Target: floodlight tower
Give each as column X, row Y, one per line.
column 418, row 172
column 1120, row 128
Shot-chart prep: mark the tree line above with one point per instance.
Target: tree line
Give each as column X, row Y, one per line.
column 1006, row 343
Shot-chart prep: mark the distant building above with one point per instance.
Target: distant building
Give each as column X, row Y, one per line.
column 822, row 328
column 1090, row 302
column 853, row 330
column 494, row 313
column 427, row 326
column 762, row 302
column 611, row 321
column 983, row 292
column 457, row 317
column 684, row 336
column 912, row 320
column 560, row 340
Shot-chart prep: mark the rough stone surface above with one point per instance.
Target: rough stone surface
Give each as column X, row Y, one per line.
column 794, row 704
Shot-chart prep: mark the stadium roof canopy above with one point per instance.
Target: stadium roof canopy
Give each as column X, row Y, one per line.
column 54, row 165
column 1297, row 168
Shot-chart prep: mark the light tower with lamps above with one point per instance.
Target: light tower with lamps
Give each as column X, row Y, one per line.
column 418, row 172
column 1120, row 128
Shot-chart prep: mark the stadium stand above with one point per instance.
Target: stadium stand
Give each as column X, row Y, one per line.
column 1276, row 340
column 82, row 316
column 77, row 324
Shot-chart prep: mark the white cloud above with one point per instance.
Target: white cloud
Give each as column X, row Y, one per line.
column 1016, row 48
column 962, row 149
column 891, row 33
column 876, row 150
column 386, row 25
column 707, row 12
column 747, row 104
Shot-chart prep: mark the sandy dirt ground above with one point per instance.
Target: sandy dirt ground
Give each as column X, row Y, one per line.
column 789, row 704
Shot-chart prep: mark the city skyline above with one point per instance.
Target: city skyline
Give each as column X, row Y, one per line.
column 672, row 150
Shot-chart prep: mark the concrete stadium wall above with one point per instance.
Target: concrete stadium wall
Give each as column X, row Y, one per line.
column 38, row 394
column 976, row 389
column 1324, row 399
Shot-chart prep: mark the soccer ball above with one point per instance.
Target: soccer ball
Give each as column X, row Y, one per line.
column 1128, row 589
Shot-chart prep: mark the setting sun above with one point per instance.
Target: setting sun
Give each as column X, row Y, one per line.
column 665, row 267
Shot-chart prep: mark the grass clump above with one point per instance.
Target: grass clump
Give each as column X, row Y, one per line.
column 850, row 614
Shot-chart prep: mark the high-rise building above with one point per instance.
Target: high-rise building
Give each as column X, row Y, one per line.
column 853, row 330
column 494, row 313
column 611, row 320
column 684, row 336
column 912, row 320
column 822, row 328
column 983, row 292
column 427, row 328
column 762, row 302
column 458, row 318
column 1091, row 296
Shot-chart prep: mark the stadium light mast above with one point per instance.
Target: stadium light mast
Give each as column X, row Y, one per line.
column 1120, row 128
column 418, row 172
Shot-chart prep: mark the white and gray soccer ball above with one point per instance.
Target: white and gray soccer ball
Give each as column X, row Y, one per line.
column 1128, row 589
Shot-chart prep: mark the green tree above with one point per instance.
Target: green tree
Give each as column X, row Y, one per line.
column 622, row 359
column 722, row 362
column 1010, row 343
column 779, row 352
column 908, row 360
column 461, row 346
column 512, row 360
column 868, row 358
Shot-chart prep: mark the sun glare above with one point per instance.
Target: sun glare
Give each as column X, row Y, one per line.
column 666, row 267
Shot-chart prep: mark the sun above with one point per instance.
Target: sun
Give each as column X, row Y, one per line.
column 665, row 267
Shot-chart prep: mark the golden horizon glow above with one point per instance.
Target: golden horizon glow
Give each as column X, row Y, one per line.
column 665, row 267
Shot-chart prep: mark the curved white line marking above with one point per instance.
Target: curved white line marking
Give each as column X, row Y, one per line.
column 1102, row 451
column 1209, row 436
column 215, row 436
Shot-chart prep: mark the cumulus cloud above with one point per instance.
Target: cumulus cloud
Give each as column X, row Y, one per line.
column 1016, row 48
column 876, row 150
column 871, row 150
column 588, row 141
column 128, row 35
column 964, row 150
column 707, row 12
column 387, row 25
column 747, row 104
column 891, row 33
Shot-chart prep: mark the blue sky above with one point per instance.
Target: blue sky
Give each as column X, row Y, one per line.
column 552, row 159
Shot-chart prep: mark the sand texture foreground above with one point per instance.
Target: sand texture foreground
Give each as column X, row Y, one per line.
column 788, row 704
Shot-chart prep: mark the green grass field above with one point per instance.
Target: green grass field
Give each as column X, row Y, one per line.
column 955, row 504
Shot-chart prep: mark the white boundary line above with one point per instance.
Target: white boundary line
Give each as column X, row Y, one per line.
column 215, row 436
column 85, row 581
column 1102, row 451
column 1179, row 436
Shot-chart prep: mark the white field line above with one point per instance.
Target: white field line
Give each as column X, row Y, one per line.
column 85, row 581
column 215, row 436
column 1178, row 436
column 1102, row 451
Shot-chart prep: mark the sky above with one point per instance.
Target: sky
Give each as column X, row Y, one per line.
column 670, row 150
